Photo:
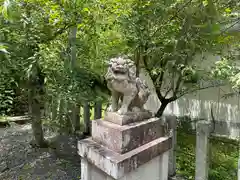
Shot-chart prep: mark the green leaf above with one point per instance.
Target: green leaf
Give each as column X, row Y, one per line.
column 228, row 10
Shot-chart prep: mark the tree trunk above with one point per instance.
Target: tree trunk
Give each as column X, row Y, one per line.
column 69, row 124
column 54, row 107
column 97, row 110
column 35, row 111
column 73, row 107
column 72, row 42
column 86, row 116
column 162, row 108
column 47, row 110
column 73, row 118
column 137, row 57
column 61, row 115
column 76, row 117
column 36, row 104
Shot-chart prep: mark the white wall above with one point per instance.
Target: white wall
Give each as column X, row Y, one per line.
column 198, row 105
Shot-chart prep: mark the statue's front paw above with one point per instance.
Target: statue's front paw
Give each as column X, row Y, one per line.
column 110, row 109
column 122, row 111
column 136, row 109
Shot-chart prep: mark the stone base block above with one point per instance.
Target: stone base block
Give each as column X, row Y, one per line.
column 148, row 158
column 155, row 169
column 122, row 139
column 128, row 118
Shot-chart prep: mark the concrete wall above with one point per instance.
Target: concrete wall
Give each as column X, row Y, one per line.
column 198, row 105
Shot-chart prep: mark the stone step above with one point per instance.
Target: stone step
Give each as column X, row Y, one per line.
column 122, row 139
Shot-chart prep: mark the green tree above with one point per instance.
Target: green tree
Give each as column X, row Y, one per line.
column 35, row 28
column 165, row 37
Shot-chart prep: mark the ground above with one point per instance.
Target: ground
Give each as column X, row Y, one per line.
column 19, row 161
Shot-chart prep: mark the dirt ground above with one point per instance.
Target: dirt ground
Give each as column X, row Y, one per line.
column 19, row 161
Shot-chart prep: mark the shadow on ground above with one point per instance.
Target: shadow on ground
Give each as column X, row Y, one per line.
column 22, row 162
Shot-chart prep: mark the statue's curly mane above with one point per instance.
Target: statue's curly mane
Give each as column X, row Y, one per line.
column 121, row 66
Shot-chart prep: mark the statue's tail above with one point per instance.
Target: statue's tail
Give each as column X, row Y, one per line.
column 143, row 88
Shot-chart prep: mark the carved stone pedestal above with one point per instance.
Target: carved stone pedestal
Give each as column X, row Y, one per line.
column 135, row 151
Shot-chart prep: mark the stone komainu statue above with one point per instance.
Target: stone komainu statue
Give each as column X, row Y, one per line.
column 125, row 86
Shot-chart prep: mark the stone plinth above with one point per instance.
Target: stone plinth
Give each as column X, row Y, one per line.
column 152, row 170
column 128, row 118
column 122, row 139
column 135, row 151
column 117, row 165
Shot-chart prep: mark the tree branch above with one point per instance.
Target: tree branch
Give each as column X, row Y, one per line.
column 167, row 92
column 161, row 79
column 57, row 33
column 198, row 89
column 160, row 82
column 137, row 60
column 159, row 94
column 145, row 63
column 179, row 81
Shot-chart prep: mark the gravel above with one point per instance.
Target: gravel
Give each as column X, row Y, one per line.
column 19, row 161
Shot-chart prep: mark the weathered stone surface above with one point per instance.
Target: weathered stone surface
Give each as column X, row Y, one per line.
column 125, row 86
column 117, row 165
column 128, row 118
column 122, row 139
column 176, row 178
column 3, row 166
column 202, row 150
column 156, row 169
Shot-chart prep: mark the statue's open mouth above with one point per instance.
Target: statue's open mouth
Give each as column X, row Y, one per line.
column 116, row 71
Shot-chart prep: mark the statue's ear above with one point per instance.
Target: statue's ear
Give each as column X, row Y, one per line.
column 131, row 64
column 132, row 71
column 112, row 60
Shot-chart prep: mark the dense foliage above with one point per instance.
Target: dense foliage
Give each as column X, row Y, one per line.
column 53, row 53
column 163, row 36
column 223, row 156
